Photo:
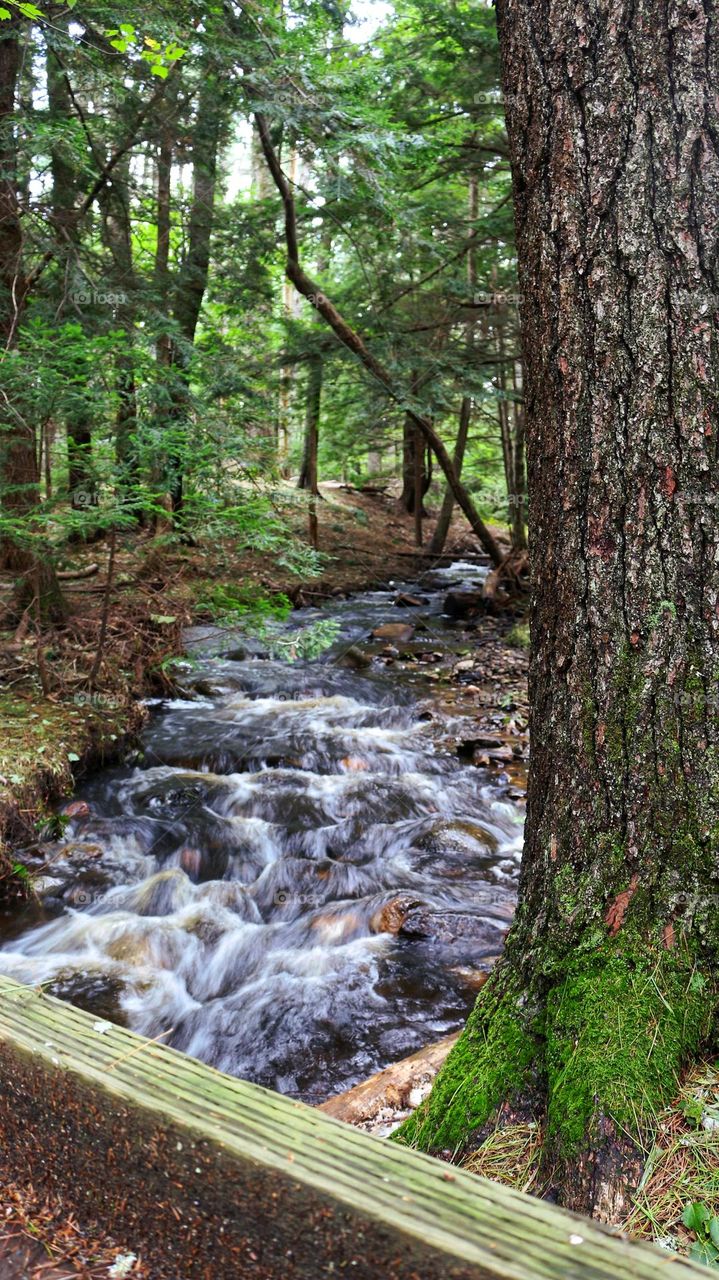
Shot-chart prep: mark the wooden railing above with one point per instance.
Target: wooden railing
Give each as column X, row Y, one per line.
column 206, row 1176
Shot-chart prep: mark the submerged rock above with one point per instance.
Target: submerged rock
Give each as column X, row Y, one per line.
column 355, row 659
column 399, row 631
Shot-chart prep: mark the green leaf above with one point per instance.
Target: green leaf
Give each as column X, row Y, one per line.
column 695, row 1216
column 5, row 13
column 704, row 1252
column 73, row 756
column 159, row 70
column 714, row 1231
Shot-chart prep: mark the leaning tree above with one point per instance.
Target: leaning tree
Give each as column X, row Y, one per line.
column 608, row 983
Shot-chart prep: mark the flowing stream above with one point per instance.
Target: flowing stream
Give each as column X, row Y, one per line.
column 298, row 882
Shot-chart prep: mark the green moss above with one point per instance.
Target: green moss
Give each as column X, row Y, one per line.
column 619, row 1028
column 490, row 1062
column 518, row 637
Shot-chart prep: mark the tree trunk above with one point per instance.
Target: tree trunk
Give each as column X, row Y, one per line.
column 444, row 520
column 308, row 473
column 442, row 527
column 118, row 237
column 519, row 480
column 608, row 985
column 192, row 283
column 19, row 475
column 416, row 476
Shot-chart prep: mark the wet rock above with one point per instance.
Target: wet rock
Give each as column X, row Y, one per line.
column 191, row 863
column 76, row 809
column 500, row 755
column 472, row 978
column 355, row 659
column 457, row 836
column 205, row 689
column 401, row 632
column 449, row 926
column 238, row 654
column 467, row 664
column 79, row 851
column 405, row 601
column 390, row 917
column 96, row 993
column 354, row 764
column 161, row 895
column 464, row 604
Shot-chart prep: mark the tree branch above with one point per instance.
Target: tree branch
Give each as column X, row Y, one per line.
column 353, row 342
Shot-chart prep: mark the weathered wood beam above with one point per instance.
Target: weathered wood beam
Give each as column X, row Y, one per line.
column 209, row 1177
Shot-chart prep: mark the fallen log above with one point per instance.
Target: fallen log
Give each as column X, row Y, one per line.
column 391, row 1087
column 66, row 575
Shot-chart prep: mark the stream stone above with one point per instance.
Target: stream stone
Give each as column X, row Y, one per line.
column 399, row 631
column 465, row 604
column 450, row 926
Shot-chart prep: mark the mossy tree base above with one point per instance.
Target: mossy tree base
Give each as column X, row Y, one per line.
column 592, row 1057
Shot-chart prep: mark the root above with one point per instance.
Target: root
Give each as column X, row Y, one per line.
column 602, row 1047
column 618, row 1033
column 491, row 1063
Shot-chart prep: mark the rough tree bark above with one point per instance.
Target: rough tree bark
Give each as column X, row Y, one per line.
column 608, row 983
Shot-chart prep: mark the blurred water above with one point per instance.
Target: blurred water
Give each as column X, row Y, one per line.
column 237, row 890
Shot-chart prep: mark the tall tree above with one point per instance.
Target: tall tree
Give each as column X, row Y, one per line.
column 210, row 120
column 608, row 984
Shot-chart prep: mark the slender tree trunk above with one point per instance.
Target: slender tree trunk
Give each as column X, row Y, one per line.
column 308, row 475
column 608, row 985
column 308, row 471
column 192, row 282
column 444, row 521
column 118, row 237
column 416, row 477
column 519, row 483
